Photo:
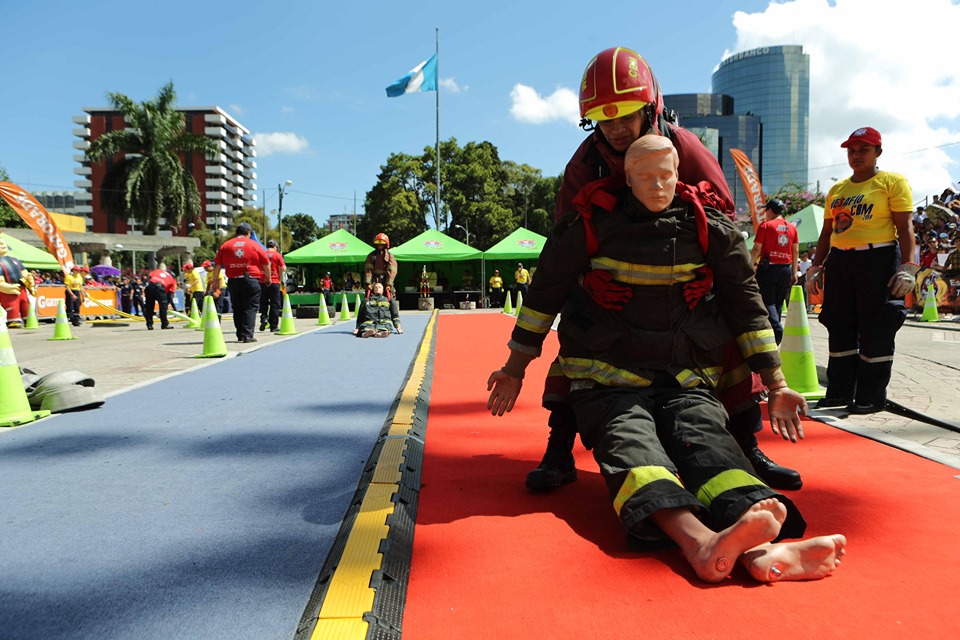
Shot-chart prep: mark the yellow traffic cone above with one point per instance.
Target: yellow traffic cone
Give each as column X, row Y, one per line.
column 195, row 321
column 61, row 329
column 323, row 318
column 287, row 326
column 519, row 303
column 356, row 307
column 796, row 350
column 32, row 322
column 930, row 312
column 507, row 305
column 344, row 308
column 213, row 344
column 14, row 405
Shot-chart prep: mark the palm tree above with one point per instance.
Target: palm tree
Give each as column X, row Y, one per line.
column 150, row 182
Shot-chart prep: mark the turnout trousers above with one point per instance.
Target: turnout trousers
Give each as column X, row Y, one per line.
column 862, row 321
column 666, row 447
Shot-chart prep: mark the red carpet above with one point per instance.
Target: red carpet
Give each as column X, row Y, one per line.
column 491, row 560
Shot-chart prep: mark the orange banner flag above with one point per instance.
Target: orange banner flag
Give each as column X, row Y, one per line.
column 752, row 186
column 40, row 221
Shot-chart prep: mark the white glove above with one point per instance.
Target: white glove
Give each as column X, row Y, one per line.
column 905, row 280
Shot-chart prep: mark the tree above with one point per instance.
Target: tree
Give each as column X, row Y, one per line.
column 796, row 197
column 397, row 204
column 8, row 217
column 147, row 180
column 303, row 230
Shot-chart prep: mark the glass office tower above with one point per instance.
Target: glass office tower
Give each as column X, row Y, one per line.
column 774, row 84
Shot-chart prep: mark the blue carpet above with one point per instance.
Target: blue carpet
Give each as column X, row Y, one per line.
column 200, row 506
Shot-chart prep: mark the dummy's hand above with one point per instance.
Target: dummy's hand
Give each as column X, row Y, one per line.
column 399, row 330
column 505, row 390
column 607, row 293
column 786, row 406
column 904, row 281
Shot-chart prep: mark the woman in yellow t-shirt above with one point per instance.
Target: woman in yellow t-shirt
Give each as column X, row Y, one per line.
column 865, row 248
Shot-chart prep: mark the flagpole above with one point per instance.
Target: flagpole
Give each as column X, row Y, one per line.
column 437, row 53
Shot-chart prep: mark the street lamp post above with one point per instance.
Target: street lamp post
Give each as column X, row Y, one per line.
column 466, row 231
column 119, row 247
column 280, row 189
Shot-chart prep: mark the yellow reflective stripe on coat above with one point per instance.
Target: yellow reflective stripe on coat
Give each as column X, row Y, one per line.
column 725, row 481
column 709, row 376
column 753, row 342
column 534, row 321
column 637, row 478
column 602, row 372
column 731, row 378
column 646, row 274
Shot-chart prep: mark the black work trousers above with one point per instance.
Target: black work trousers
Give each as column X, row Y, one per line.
column 270, row 301
column 155, row 293
column 245, row 300
column 774, row 283
column 862, row 320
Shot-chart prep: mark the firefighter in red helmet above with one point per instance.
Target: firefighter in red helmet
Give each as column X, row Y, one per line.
column 380, row 265
column 620, row 101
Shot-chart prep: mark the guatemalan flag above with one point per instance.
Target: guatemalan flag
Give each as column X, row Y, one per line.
column 422, row 77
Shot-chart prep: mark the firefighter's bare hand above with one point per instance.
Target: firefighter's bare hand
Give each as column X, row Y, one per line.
column 786, row 406
column 505, row 390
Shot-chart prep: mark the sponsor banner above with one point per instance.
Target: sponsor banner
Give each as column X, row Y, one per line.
column 40, row 221
column 751, row 185
column 48, row 295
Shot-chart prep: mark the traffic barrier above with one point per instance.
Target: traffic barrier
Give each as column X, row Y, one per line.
column 796, row 350
column 507, row 304
column 14, row 405
column 344, row 308
column 194, row 321
column 287, row 325
column 213, row 343
column 32, row 322
column 61, row 328
column 930, row 312
column 323, row 318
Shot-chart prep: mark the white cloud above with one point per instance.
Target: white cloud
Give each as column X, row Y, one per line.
column 280, row 142
column 895, row 72
column 451, row 85
column 529, row 106
column 236, row 109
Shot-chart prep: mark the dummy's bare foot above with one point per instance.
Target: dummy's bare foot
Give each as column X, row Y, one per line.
column 715, row 558
column 809, row 559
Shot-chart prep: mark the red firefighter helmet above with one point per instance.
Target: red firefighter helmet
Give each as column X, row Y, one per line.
column 616, row 83
column 382, row 238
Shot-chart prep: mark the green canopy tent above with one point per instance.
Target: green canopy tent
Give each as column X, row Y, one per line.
column 30, row 256
column 522, row 245
column 339, row 248
column 434, row 250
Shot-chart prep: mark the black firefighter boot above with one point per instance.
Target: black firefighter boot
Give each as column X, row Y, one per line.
column 557, row 467
column 774, row 475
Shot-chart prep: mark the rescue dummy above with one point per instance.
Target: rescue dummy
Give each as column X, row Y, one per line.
column 15, row 282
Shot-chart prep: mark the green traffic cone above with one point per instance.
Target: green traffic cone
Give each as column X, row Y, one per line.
column 798, row 364
column 344, row 308
column 287, row 326
column 323, row 318
column 930, row 311
column 61, row 330
column 213, row 343
column 14, row 405
column 507, row 305
column 32, row 322
column 519, row 303
column 195, row 321
column 356, row 307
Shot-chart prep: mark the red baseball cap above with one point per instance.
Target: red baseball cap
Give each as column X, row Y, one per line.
column 866, row 135
column 206, row 263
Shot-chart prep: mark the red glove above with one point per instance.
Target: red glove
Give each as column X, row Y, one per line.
column 607, row 293
column 694, row 290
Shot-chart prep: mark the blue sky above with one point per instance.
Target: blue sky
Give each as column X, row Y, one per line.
column 308, row 78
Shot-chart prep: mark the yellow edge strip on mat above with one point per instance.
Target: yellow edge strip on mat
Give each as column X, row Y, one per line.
column 350, row 595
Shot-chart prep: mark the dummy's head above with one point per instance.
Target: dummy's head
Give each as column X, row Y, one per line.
column 378, row 288
column 651, row 171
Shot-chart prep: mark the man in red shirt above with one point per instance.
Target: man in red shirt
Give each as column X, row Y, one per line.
column 246, row 264
column 159, row 285
column 270, row 294
column 777, row 250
